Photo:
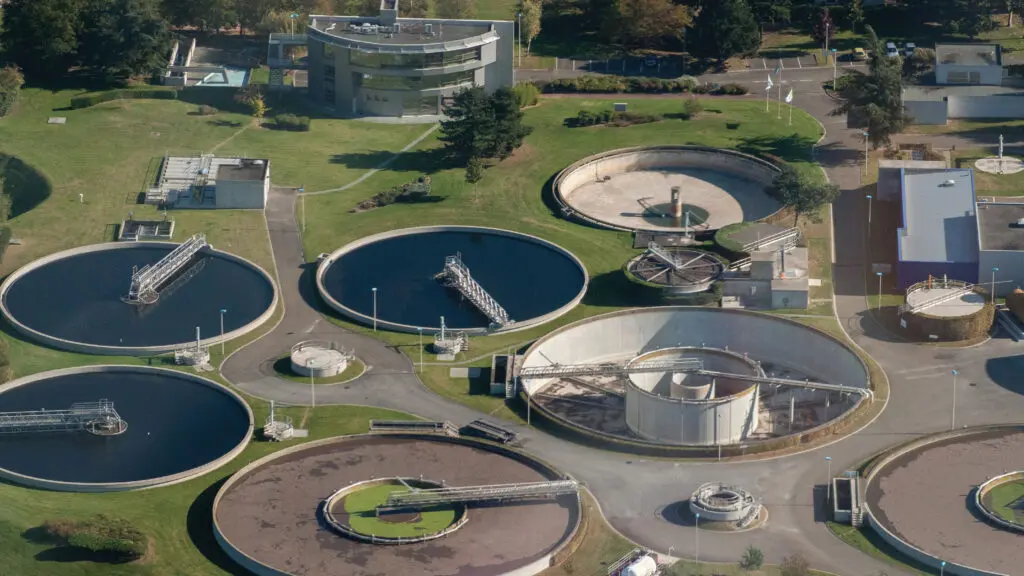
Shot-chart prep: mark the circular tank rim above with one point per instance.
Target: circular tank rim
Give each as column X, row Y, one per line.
column 714, row 401
column 886, row 457
column 692, row 288
column 103, row 349
column 568, row 209
column 257, row 567
column 679, row 450
column 64, row 486
column 361, row 318
column 981, row 490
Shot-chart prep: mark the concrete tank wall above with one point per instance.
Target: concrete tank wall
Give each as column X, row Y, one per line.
column 677, row 421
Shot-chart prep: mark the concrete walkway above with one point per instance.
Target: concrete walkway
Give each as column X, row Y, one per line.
column 633, row 491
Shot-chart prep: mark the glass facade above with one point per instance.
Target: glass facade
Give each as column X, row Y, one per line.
column 413, row 83
column 413, row 61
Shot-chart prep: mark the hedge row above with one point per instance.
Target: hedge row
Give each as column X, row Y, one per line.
column 99, row 97
column 587, row 118
column 636, row 85
column 100, row 534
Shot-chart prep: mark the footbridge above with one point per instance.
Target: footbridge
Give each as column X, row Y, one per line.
column 456, row 275
column 146, row 281
column 418, row 499
column 91, row 416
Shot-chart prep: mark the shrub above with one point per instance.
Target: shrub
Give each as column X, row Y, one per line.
column 752, row 559
column 11, row 82
column 292, row 122
column 101, row 534
column 692, row 108
column 93, row 99
column 526, row 94
column 794, row 565
column 732, row 89
column 206, row 110
column 586, row 118
column 617, row 85
column 474, row 170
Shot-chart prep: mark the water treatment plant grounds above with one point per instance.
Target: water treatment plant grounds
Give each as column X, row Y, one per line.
column 78, row 298
column 528, row 279
column 174, row 425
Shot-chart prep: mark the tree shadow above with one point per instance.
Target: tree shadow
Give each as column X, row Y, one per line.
column 793, row 147
column 23, row 184
column 225, row 123
column 199, row 524
column 1005, row 372
column 614, row 289
column 429, row 161
column 61, row 553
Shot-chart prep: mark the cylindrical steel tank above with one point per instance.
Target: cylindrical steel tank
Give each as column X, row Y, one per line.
column 642, row 566
column 318, row 359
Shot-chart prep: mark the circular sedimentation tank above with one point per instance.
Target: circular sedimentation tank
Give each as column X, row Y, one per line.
column 632, row 188
column 74, row 299
column 318, row 359
column 287, row 489
column 915, row 497
column 532, row 279
column 175, row 426
column 690, row 271
column 672, row 407
column 941, row 309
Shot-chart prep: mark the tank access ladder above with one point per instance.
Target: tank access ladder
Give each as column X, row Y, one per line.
column 418, row 499
column 456, row 275
column 79, row 417
column 146, row 281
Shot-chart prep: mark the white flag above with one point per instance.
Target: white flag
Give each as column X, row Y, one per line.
column 770, row 84
column 789, row 97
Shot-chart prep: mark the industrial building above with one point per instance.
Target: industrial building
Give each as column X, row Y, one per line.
column 968, row 64
column 1001, row 245
column 207, row 181
column 938, row 233
column 383, row 65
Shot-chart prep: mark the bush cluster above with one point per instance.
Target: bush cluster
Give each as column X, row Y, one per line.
column 413, row 191
column 292, row 122
column 587, row 118
column 692, row 108
column 617, row 85
column 93, row 99
column 730, row 89
column 101, row 534
column 206, row 110
column 526, row 94
column 11, row 82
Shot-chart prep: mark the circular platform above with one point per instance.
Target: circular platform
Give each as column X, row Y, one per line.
column 178, row 426
column 630, row 188
column 318, row 359
column 266, row 515
column 72, row 299
column 1000, row 166
column 922, row 496
column 532, row 279
column 353, row 511
column 964, row 305
column 684, row 412
column 693, row 271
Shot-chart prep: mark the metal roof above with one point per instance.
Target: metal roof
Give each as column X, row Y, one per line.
column 968, row 54
column 939, row 218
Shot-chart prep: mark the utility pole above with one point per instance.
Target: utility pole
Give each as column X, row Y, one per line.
column 952, row 418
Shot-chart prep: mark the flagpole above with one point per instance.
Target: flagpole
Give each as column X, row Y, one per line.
column 779, row 115
column 791, row 114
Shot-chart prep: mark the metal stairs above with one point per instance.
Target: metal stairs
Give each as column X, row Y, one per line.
column 456, row 275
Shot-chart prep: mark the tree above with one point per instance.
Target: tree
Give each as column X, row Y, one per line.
column 123, row 38
column 474, row 170
column 1011, row 7
column 874, row 98
column 414, row 8
column 794, row 565
column 11, row 82
column 455, row 8
column 259, row 108
column 251, row 12
column 508, row 131
column 642, row 23
column 823, row 28
column 752, row 559
column 529, row 12
column 483, row 126
column 724, row 28
column 801, row 195
column 855, row 14
column 41, row 36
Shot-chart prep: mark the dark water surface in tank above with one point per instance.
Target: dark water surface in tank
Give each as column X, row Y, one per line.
column 526, row 278
column 78, row 298
column 174, row 424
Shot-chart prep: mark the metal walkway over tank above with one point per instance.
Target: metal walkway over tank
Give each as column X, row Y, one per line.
column 957, row 290
column 146, row 281
column 670, row 260
column 456, row 275
column 417, row 499
column 80, row 416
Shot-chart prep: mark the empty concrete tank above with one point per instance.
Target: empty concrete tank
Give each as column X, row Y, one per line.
column 689, row 408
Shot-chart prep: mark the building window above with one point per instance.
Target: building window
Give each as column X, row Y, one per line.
column 376, row 82
column 329, row 94
column 329, row 73
column 328, row 51
column 413, row 61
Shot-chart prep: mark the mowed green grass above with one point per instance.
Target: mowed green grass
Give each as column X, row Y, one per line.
column 1006, row 501
column 362, row 509
column 177, row 518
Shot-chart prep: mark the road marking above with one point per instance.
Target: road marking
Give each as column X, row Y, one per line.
column 926, row 368
column 925, row 376
column 801, row 64
column 764, row 63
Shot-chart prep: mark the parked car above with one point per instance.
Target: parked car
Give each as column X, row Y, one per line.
column 890, row 50
column 908, row 49
column 859, row 55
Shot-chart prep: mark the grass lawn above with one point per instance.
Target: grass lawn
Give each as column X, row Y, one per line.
column 362, row 509
column 515, row 195
column 283, row 368
column 1005, row 500
column 496, row 10
column 989, row 184
column 865, row 540
column 177, row 518
column 789, row 43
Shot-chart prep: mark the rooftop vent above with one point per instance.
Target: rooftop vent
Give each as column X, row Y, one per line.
column 1020, row 222
column 428, row 29
column 948, row 183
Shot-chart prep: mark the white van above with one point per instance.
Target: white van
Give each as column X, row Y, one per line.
column 890, row 50
column 908, row 49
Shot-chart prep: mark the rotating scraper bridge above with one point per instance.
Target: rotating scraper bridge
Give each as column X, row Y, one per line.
column 417, row 499
column 94, row 417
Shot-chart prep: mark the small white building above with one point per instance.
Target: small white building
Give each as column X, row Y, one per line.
column 968, row 64
column 243, row 185
column 208, row 181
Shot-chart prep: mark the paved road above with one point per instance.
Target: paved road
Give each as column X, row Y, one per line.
column 634, row 491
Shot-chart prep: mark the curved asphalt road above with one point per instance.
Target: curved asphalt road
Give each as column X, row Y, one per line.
column 633, row 491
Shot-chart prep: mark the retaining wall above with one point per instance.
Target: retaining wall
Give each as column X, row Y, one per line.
column 139, row 484
column 86, row 348
column 982, row 490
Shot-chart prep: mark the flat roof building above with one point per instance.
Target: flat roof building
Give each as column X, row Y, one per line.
column 968, row 64
column 1001, row 243
column 939, row 227
column 383, row 65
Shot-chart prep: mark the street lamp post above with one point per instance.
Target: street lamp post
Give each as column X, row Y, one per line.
column 291, row 19
column 374, row 308
column 222, row 312
column 866, row 134
column 942, row 568
column 718, row 431
column 952, row 416
column 826, row 41
column 879, row 290
column 869, row 212
column 696, row 541
column 835, row 68
column 312, row 386
column 420, row 330
column 303, row 197
column 828, row 481
column 994, row 270
column 519, row 36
